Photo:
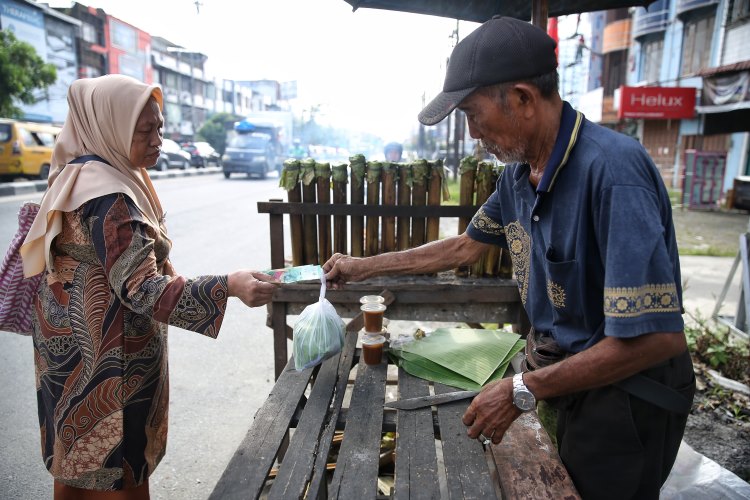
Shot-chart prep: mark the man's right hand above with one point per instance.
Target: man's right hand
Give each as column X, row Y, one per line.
column 343, row 268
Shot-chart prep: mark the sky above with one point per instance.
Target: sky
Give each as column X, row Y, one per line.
column 367, row 70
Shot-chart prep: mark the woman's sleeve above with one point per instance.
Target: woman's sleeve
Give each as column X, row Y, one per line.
column 124, row 245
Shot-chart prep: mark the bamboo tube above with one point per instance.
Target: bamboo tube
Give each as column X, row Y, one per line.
column 505, row 264
column 420, row 171
column 357, row 165
column 486, row 177
column 389, row 175
column 404, row 199
column 374, row 170
column 309, row 224
column 468, row 171
column 340, row 176
column 434, row 191
column 290, row 181
column 323, row 184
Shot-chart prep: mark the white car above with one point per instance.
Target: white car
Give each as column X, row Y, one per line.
column 172, row 155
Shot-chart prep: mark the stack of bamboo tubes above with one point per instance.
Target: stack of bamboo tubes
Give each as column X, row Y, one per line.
column 315, row 238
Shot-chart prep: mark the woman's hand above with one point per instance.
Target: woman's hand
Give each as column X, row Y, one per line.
column 252, row 288
column 342, row 268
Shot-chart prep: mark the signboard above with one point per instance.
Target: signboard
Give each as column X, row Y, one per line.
column 656, row 103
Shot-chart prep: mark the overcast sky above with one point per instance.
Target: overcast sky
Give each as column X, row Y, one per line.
column 368, row 69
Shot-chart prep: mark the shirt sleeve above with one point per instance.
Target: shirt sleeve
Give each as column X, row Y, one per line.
column 124, row 245
column 486, row 226
column 640, row 292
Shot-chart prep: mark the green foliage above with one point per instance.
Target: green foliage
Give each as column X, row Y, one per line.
column 214, row 131
column 22, row 72
column 714, row 346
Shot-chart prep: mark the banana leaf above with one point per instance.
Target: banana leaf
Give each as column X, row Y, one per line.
column 459, row 357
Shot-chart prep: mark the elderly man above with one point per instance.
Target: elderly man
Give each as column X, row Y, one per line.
column 587, row 220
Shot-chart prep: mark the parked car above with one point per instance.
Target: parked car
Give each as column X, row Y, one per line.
column 202, row 154
column 26, row 148
column 249, row 153
column 172, row 155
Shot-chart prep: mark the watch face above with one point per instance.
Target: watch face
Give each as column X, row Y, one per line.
column 524, row 400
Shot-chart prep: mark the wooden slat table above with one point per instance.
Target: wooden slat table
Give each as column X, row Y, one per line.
column 299, row 418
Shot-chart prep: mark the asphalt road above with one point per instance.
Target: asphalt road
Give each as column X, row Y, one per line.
column 216, row 385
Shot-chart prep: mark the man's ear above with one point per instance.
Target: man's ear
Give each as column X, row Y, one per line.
column 526, row 97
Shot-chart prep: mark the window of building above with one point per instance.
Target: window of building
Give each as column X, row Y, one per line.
column 652, row 58
column 88, row 33
column 739, row 10
column 696, row 44
column 171, row 80
column 615, row 64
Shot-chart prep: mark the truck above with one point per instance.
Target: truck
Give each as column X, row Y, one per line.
column 258, row 144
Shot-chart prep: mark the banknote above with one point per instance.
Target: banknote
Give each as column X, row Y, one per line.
column 296, row 274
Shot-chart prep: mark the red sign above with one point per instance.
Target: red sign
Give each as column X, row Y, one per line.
column 659, row 103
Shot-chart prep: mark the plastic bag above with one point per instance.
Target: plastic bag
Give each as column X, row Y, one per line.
column 318, row 333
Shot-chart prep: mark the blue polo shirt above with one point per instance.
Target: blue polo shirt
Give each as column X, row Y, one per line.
column 593, row 246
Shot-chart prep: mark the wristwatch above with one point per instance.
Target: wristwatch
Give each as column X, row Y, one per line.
column 522, row 396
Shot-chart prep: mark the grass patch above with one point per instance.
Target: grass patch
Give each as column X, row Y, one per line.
column 709, row 251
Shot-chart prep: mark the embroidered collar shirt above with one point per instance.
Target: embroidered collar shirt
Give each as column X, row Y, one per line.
column 593, row 246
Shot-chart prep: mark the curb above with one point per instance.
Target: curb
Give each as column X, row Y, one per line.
column 30, row 187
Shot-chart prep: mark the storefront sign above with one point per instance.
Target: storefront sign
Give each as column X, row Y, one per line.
column 657, row 103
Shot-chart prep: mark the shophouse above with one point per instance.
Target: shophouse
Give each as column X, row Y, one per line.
column 54, row 36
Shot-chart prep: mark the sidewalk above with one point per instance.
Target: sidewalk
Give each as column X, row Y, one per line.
column 27, row 187
column 703, row 279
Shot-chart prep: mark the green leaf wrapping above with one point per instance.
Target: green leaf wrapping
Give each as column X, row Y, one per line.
column 289, row 174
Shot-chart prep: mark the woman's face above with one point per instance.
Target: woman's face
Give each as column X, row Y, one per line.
column 147, row 136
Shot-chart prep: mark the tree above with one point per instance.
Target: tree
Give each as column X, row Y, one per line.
column 214, row 131
column 22, row 72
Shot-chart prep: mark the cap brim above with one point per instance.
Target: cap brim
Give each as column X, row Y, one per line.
column 442, row 105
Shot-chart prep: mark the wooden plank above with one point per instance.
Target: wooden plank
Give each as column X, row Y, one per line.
column 308, row 440
column 416, row 459
column 246, row 473
column 466, row 468
column 356, row 471
column 528, row 466
column 279, row 326
column 265, row 207
column 276, row 227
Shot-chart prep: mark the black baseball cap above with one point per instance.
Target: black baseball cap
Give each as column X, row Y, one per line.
column 503, row 49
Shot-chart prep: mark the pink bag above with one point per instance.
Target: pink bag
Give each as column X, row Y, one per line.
column 16, row 292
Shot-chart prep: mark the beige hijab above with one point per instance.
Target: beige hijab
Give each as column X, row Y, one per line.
column 101, row 120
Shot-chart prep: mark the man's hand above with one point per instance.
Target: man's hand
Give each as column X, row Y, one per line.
column 252, row 288
column 342, row 268
column 492, row 411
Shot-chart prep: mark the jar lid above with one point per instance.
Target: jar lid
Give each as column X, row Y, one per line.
column 373, row 307
column 373, row 340
column 378, row 299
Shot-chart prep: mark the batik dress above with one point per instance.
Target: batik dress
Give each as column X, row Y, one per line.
column 100, row 343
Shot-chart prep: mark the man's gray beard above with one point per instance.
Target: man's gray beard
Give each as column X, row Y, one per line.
column 515, row 155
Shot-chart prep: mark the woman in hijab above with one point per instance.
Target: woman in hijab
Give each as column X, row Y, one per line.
column 108, row 294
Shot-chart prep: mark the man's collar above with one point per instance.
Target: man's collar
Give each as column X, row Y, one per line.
column 570, row 125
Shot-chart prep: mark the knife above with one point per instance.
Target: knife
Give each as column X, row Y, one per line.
column 422, row 401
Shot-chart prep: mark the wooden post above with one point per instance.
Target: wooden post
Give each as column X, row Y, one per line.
column 309, row 224
column 404, row 199
column 374, row 169
column 389, row 198
column 323, row 178
column 468, row 172
column 420, row 171
column 340, row 176
column 357, row 165
column 434, row 193
column 290, row 181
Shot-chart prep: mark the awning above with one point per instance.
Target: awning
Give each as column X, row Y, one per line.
column 725, row 91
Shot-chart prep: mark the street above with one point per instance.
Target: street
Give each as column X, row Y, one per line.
column 216, row 385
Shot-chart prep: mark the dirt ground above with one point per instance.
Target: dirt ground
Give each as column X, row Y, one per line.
column 714, row 429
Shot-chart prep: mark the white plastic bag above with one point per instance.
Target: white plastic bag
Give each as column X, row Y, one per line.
column 318, row 333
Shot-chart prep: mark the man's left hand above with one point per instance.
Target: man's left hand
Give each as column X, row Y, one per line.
column 492, row 411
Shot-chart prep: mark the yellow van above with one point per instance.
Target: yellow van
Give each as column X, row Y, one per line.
column 26, row 148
